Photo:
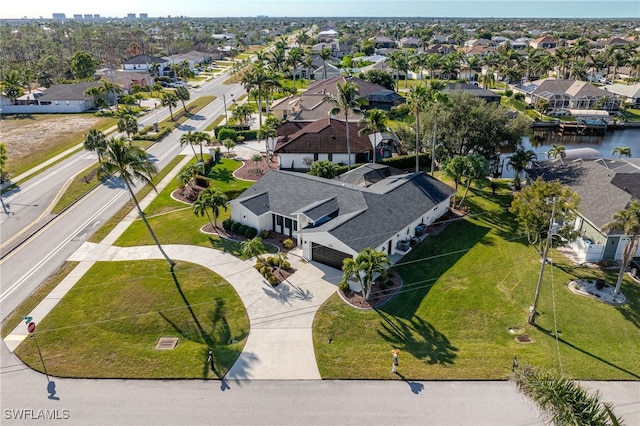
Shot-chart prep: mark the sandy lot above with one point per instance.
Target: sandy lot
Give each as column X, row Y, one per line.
column 24, row 136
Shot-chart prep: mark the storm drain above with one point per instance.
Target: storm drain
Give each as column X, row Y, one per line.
column 166, row 343
column 524, row 339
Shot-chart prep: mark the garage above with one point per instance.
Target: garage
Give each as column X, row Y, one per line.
column 328, row 256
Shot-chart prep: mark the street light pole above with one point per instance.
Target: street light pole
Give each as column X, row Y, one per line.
column 533, row 310
column 155, row 107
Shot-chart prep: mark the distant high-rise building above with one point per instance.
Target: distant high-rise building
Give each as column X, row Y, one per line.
column 88, row 16
column 77, row 17
column 96, row 16
column 131, row 16
column 59, row 16
column 144, row 16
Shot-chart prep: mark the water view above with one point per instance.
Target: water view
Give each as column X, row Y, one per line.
column 541, row 141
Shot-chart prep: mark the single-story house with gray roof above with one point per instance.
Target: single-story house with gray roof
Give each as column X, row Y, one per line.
column 605, row 186
column 332, row 219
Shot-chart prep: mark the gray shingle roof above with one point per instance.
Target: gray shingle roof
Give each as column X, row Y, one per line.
column 599, row 183
column 367, row 217
column 69, row 92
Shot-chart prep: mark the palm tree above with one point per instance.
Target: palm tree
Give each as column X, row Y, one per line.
column 518, row 162
column 418, row 63
column 347, row 100
column 268, row 130
column 621, row 150
column 200, row 138
column 96, row 141
column 324, row 168
column 129, row 162
column 111, row 89
column 433, row 63
column 182, row 93
column 189, row 138
column 257, row 79
column 365, row 267
column 213, row 199
column 169, row 100
column 294, row 59
column 417, row 100
column 626, row 221
column 450, row 65
column 128, row 124
column 374, row 121
column 324, row 54
column 563, row 401
column 252, row 248
column 476, row 170
column 556, row 151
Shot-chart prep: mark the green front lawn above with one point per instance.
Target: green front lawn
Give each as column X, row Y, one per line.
column 175, row 223
column 108, row 325
column 463, row 289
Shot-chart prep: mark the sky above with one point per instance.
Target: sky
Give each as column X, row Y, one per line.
column 338, row 8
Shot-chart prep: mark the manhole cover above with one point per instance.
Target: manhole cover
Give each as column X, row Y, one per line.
column 166, row 343
column 523, row 339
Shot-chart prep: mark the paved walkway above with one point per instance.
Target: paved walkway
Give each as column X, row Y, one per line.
column 279, row 345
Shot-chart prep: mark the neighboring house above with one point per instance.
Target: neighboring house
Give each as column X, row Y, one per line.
column 612, row 41
column 61, row 98
column 410, row 42
column 544, row 42
column 331, row 72
column 571, row 94
column 193, row 58
column 319, row 140
column 477, row 42
column 332, row 219
column 310, row 105
column 488, row 95
column 125, row 79
column 338, row 50
column 383, row 42
column 144, row 63
column 327, row 35
column 479, row 50
column 628, row 93
column 605, row 186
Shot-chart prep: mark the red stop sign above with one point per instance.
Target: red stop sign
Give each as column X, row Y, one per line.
column 31, row 327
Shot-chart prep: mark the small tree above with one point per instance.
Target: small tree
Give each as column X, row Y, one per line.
column 621, row 151
column 96, row 141
column 252, row 248
column 325, row 169
column 556, row 151
column 227, row 133
column 213, row 199
column 518, row 162
column 627, row 222
column 169, row 100
column 365, row 267
column 128, row 124
column 229, row 144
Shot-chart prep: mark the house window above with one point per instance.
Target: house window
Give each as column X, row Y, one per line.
column 295, row 225
column 279, row 220
column 287, row 223
column 315, row 156
column 330, row 156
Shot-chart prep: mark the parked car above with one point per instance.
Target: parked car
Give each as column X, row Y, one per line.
column 634, row 268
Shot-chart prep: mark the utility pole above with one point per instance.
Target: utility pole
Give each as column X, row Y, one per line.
column 433, row 146
column 533, row 310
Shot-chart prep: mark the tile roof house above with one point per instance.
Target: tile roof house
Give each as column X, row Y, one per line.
column 333, row 219
column 605, row 186
column 319, row 140
column 544, row 42
column 310, row 105
column 571, row 94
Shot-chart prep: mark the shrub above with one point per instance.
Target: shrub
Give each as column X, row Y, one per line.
column 288, row 243
column 273, row 280
column 519, row 96
column 251, row 232
column 264, row 234
column 226, row 224
column 600, row 284
column 285, row 264
column 235, row 226
column 226, row 133
column 407, row 161
column 242, row 229
column 343, row 287
column 508, row 93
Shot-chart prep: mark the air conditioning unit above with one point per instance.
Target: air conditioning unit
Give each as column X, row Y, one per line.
column 403, row 245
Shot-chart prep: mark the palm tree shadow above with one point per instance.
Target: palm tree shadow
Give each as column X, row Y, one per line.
column 220, row 174
column 419, row 338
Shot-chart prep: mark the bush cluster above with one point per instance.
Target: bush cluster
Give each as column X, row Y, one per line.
column 231, row 225
column 288, row 243
column 407, row 161
column 266, row 271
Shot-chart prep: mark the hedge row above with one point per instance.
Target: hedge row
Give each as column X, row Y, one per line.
column 237, row 227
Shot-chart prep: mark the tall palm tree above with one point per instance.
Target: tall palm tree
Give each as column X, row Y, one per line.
column 169, row 100
column 182, row 93
column 419, row 62
column 518, row 162
column 259, row 80
column 294, row 59
column 563, row 401
column 268, row 130
column 433, row 63
column 556, row 151
column 347, row 100
column 365, row 267
column 129, row 162
column 96, row 141
column 324, row 54
column 213, row 199
column 621, row 150
column 627, row 222
column 374, row 121
column 200, row 138
column 417, row 100
column 128, row 124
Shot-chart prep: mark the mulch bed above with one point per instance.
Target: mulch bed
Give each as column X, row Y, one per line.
column 378, row 296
